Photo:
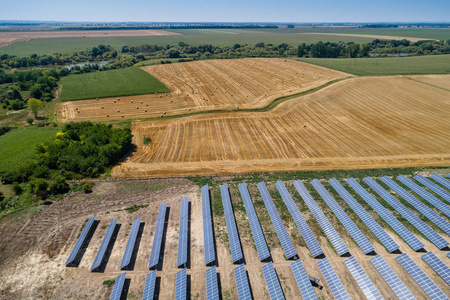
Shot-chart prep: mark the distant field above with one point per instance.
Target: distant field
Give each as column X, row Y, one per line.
column 429, row 64
column 122, row 82
column 19, row 144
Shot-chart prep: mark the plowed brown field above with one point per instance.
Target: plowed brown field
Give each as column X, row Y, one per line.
column 365, row 122
column 207, row 85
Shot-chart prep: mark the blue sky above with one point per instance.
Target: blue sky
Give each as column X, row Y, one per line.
column 227, row 10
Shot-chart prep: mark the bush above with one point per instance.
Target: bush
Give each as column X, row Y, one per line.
column 17, row 188
column 87, row 187
column 59, row 185
column 147, row 140
column 2, row 197
column 109, row 283
column 30, row 121
column 5, row 129
column 39, row 187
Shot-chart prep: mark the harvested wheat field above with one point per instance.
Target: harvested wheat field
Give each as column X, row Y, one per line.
column 367, row 122
column 442, row 81
column 207, row 85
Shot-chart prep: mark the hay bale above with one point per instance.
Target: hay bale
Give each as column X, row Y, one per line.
column 107, row 116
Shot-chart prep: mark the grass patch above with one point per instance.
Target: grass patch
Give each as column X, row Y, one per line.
column 134, row 208
column 112, row 83
column 109, row 283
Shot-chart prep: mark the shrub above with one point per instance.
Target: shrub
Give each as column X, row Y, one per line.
column 39, row 187
column 30, row 121
column 87, row 187
column 5, row 129
column 109, row 283
column 2, row 197
column 17, row 188
column 147, row 140
column 59, row 185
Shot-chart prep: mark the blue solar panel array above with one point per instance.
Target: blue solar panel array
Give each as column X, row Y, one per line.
column 183, row 234
column 118, row 287
column 101, row 251
column 243, row 288
column 427, row 285
column 80, row 240
column 208, row 237
column 212, row 287
column 441, row 180
column 354, row 231
column 149, row 288
column 394, row 282
column 283, row 236
column 425, row 195
column 328, row 229
column 233, row 234
column 258, row 235
column 377, row 230
column 157, row 239
column 131, row 242
column 433, row 187
column 273, row 284
column 332, row 280
column 303, row 282
column 362, row 279
column 181, row 285
column 438, row 266
column 425, row 210
column 408, row 215
column 395, row 224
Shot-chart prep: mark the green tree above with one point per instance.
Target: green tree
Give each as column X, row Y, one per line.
column 34, row 105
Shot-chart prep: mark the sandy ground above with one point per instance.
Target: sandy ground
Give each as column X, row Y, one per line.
column 367, row 122
column 374, row 36
column 35, row 246
column 8, row 38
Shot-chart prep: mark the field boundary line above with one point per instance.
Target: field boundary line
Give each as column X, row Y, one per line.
column 426, row 83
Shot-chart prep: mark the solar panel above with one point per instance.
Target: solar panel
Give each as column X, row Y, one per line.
column 242, row 285
column 433, row 187
column 180, row 285
column 258, row 235
column 212, row 287
column 376, row 229
column 441, row 180
column 395, row 224
column 328, row 229
column 425, row 210
column 441, row 206
column 149, row 288
column 233, row 234
column 438, row 266
column 101, row 251
column 283, row 236
column 354, row 231
column 419, row 276
column 118, row 287
column 394, row 282
column 303, row 282
column 362, row 279
column 448, row 254
column 130, row 245
column 208, row 238
column 272, row 282
column 183, row 234
column 332, row 279
column 80, row 240
column 157, row 239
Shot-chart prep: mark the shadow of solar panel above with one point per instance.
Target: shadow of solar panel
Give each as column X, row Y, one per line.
column 212, row 286
column 332, row 280
column 208, row 237
column 130, row 245
column 303, row 282
column 118, row 287
column 419, row 276
column 233, row 234
column 273, row 284
column 362, row 279
column 283, row 236
column 101, row 251
column 80, row 240
column 441, row 180
column 149, row 288
column 243, row 288
column 157, row 239
column 433, row 187
column 367, row 219
column 338, row 244
column 354, row 231
column 255, row 226
column 181, row 285
column 394, row 282
column 395, row 224
column 183, row 234
column 438, row 266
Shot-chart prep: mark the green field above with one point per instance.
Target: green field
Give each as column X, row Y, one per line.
column 121, row 82
column 429, row 64
column 19, row 145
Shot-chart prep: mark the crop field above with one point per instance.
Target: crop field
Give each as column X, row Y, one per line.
column 441, row 81
column 130, row 81
column 366, row 122
column 201, row 86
